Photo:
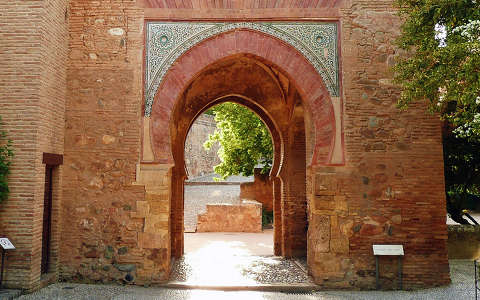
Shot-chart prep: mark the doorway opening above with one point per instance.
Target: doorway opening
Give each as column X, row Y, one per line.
column 255, row 86
column 228, row 197
column 47, row 219
column 287, row 92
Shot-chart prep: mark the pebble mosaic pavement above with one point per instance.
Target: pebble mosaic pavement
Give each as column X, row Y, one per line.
column 461, row 288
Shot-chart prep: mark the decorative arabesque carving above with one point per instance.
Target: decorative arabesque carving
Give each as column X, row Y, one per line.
column 167, row 41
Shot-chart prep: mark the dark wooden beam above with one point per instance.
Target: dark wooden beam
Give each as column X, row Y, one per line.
column 52, row 159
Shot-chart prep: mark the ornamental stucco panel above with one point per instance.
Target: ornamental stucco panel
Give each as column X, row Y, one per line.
column 166, row 41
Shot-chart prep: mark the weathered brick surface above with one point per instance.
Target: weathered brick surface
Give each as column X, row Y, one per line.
column 390, row 188
column 33, row 47
column 199, row 161
column 103, row 225
column 260, row 190
column 238, row 4
column 244, row 217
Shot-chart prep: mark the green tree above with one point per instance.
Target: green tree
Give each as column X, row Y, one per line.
column 6, row 153
column 462, row 180
column 441, row 39
column 244, row 140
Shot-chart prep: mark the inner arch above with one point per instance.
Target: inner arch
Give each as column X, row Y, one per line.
column 242, row 79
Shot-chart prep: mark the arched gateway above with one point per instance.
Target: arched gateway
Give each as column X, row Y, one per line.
column 114, row 86
column 288, row 73
column 248, row 64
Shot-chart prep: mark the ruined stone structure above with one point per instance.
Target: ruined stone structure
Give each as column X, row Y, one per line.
column 259, row 190
column 243, row 217
column 199, row 161
column 114, row 86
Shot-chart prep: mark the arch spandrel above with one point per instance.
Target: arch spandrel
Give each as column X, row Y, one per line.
column 167, row 41
column 272, row 51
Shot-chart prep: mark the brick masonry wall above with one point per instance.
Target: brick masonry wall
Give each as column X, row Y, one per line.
column 390, row 189
column 198, row 161
column 33, row 47
column 101, row 220
column 260, row 190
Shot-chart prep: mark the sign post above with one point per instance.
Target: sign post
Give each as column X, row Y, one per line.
column 388, row 250
column 477, row 269
column 6, row 245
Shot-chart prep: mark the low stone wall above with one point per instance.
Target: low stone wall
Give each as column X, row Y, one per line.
column 463, row 242
column 246, row 217
column 261, row 189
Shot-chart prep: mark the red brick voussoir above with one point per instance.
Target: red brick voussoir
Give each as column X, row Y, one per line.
column 266, row 48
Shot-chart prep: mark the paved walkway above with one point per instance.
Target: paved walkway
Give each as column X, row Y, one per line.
column 236, row 243
column 235, row 259
column 475, row 215
column 240, row 266
column 461, row 288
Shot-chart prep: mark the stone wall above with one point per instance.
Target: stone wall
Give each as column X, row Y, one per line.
column 199, row 161
column 463, row 242
column 391, row 188
column 106, row 234
column 383, row 185
column 245, row 217
column 260, row 190
column 197, row 195
column 33, row 51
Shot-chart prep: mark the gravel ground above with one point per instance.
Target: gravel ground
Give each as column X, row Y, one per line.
column 238, row 270
column 461, row 288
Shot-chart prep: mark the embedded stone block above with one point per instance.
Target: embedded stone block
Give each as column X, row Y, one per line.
column 156, row 222
column 341, row 205
column 160, row 207
column 325, row 184
column 149, row 240
column 153, row 174
column 319, row 233
column 338, row 241
column 142, row 210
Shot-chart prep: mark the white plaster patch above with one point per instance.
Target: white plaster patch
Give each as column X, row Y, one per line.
column 337, row 155
column 116, row 31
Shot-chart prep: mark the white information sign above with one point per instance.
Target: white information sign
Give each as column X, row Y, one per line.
column 6, row 244
column 388, row 250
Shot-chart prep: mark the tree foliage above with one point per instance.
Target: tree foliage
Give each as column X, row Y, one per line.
column 6, row 153
column 462, row 176
column 244, row 140
column 442, row 39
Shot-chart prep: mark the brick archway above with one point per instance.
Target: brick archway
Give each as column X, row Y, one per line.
column 291, row 78
column 275, row 134
column 328, row 145
column 245, row 80
column 179, row 171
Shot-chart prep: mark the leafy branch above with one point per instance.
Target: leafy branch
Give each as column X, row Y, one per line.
column 6, row 154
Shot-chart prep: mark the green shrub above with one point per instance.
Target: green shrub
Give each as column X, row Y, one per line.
column 6, row 153
column 267, row 217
